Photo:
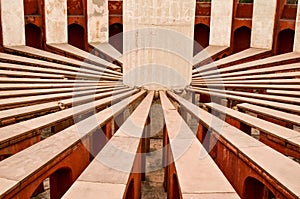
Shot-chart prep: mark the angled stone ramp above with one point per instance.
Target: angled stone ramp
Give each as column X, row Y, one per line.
column 247, row 55
column 259, row 81
column 55, row 153
column 284, row 140
column 273, row 69
column 282, row 75
column 16, row 137
column 48, row 56
column 38, row 75
column 29, row 86
column 32, row 92
column 281, row 118
column 233, row 150
column 56, row 72
column 80, row 67
column 82, row 55
column 31, row 80
column 291, row 108
column 287, row 58
column 187, row 160
column 208, row 54
column 31, row 100
column 18, row 114
column 284, row 93
column 118, row 164
column 108, row 50
column 242, row 86
column 274, row 98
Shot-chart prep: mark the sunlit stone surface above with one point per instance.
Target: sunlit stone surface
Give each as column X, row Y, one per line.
column 97, row 21
column 158, row 43
column 56, row 21
column 12, row 22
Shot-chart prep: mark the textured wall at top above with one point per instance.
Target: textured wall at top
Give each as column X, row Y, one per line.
column 13, row 25
column 263, row 23
column 97, row 20
column 56, row 21
column 221, row 22
column 297, row 31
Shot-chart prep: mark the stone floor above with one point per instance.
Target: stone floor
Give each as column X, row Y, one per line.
column 152, row 187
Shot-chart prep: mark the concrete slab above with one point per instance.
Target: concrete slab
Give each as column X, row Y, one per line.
column 44, row 55
column 108, row 49
column 272, row 163
column 251, row 52
column 269, row 61
column 43, row 152
column 207, row 53
column 288, row 117
column 6, row 184
column 84, row 55
column 211, row 196
column 114, row 162
column 209, row 180
column 269, row 70
column 92, row 190
column 283, row 169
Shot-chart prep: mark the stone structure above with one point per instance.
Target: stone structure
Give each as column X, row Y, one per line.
column 158, row 41
column 56, row 21
column 97, row 21
column 263, row 24
column 221, row 22
column 13, row 33
column 76, row 125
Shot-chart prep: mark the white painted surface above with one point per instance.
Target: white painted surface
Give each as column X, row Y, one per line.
column 297, row 31
column 158, row 42
column 221, row 22
column 263, row 23
column 12, row 22
column 97, row 21
column 56, row 21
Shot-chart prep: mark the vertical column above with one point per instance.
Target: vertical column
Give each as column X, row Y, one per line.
column 56, row 21
column 158, row 42
column 12, row 22
column 97, row 21
column 221, row 22
column 263, row 21
column 297, row 31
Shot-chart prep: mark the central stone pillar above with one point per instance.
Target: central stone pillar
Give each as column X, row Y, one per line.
column 158, row 43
